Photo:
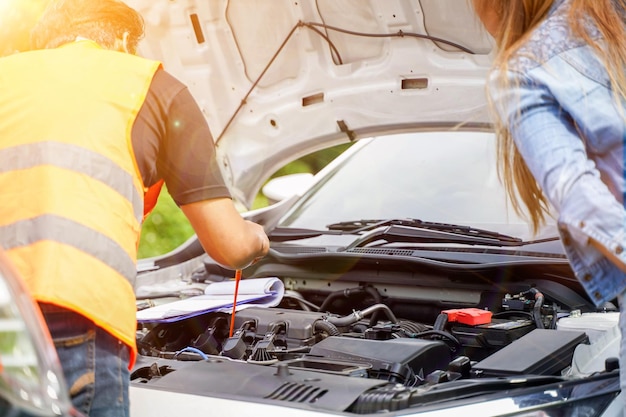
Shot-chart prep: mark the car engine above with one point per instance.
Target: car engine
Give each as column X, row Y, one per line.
column 359, row 332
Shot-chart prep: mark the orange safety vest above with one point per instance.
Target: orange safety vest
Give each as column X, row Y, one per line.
column 71, row 191
column 151, row 198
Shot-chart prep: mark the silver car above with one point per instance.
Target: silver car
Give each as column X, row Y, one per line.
column 399, row 281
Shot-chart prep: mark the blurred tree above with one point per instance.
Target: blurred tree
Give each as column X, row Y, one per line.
column 164, row 229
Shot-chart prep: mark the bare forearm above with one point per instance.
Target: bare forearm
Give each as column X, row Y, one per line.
column 225, row 235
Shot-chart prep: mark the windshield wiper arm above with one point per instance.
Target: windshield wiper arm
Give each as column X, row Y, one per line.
column 365, row 225
column 283, row 234
column 405, row 230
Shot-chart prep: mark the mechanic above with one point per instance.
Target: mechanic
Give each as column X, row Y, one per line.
column 87, row 127
column 558, row 89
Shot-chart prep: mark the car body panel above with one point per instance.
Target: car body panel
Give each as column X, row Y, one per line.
column 167, row 403
column 268, row 103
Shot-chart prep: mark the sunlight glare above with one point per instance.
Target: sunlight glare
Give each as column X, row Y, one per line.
column 17, row 17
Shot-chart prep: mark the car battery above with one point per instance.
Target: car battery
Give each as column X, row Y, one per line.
column 489, row 337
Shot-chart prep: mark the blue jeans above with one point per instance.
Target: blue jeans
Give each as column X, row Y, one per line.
column 94, row 362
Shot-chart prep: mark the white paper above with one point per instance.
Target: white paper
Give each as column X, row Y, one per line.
column 219, row 296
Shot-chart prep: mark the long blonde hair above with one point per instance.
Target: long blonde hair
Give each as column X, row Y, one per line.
column 516, row 19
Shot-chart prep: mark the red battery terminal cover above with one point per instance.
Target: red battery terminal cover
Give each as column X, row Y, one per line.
column 469, row 316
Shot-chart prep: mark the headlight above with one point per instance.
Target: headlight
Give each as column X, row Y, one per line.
column 30, row 374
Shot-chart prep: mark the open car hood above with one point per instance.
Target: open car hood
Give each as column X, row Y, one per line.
column 279, row 79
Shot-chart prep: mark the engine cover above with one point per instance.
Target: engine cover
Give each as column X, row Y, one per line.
column 406, row 361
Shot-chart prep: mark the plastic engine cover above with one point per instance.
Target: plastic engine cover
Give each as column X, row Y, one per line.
column 397, row 360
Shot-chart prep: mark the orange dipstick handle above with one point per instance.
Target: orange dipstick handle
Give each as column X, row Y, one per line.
column 232, row 316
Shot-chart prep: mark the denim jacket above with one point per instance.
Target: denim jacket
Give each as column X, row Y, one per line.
column 565, row 123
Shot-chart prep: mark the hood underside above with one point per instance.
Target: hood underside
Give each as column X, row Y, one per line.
column 279, row 79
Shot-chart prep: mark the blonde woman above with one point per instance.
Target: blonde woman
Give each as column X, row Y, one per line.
column 558, row 88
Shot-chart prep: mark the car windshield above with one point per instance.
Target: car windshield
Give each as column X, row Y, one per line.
column 448, row 177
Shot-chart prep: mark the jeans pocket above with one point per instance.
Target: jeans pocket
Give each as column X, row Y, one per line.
column 112, row 377
column 95, row 364
column 77, row 355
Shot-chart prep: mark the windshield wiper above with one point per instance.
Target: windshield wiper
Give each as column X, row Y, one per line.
column 352, row 227
column 365, row 225
column 419, row 231
column 284, row 234
column 405, row 230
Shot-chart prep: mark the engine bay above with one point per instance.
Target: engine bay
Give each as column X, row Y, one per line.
column 370, row 344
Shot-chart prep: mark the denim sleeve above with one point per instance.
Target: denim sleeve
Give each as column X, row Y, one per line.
column 548, row 140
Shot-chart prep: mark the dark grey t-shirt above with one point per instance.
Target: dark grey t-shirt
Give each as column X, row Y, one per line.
column 172, row 141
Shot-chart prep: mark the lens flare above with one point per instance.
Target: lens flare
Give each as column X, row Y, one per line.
column 17, row 18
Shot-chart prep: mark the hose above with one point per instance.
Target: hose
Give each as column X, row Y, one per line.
column 348, row 292
column 537, row 307
column 325, row 326
column 358, row 315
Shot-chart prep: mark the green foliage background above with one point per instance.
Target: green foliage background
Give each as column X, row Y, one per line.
column 167, row 227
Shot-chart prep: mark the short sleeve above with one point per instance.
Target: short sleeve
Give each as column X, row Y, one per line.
column 172, row 141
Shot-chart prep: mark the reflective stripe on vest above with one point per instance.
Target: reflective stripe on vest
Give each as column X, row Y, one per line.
column 68, row 232
column 75, row 158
